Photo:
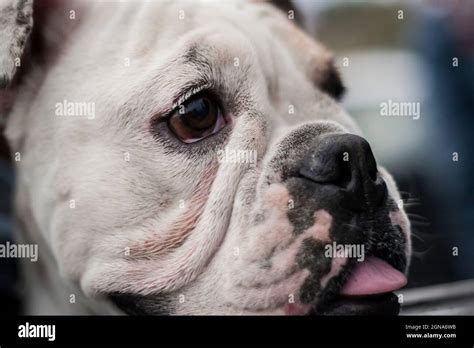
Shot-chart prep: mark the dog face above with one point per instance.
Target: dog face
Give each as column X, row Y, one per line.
column 209, row 169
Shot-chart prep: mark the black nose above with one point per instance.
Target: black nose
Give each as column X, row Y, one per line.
column 346, row 162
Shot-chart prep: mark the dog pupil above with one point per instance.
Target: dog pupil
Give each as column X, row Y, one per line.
column 200, row 114
column 202, row 108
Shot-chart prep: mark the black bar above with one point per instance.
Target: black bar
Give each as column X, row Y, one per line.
column 263, row 330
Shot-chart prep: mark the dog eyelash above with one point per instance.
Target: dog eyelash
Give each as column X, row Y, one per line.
column 190, row 93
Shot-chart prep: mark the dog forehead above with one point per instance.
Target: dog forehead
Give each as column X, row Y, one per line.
column 140, row 27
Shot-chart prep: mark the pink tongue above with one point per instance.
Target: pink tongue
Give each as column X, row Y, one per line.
column 373, row 276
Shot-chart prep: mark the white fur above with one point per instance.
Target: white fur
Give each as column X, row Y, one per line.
column 120, row 204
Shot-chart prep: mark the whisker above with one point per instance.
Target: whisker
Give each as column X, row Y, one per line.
column 417, row 236
column 422, row 224
column 418, row 216
column 411, row 199
column 352, row 226
column 420, row 254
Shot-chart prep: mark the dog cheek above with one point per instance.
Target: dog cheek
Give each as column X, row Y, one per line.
column 399, row 218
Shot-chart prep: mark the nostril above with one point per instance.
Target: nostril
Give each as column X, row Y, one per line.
column 373, row 175
column 345, row 171
column 381, row 191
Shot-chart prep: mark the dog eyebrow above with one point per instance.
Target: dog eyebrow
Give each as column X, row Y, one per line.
column 195, row 56
column 196, row 74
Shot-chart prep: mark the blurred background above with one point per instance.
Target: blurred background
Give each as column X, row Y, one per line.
column 422, row 52
column 403, row 51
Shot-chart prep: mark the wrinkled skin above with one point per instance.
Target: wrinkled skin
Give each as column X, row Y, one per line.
column 163, row 227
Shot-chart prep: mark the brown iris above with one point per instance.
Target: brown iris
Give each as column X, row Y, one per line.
column 196, row 119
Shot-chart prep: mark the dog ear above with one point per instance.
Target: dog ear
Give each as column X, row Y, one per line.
column 31, row 33
column 16, row 23
column 288, row 7
column 318, row 60
column 331, row 82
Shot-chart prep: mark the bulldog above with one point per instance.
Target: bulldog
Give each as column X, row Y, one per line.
column 191, row 157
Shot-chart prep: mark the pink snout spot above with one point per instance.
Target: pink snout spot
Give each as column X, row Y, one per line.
column 373, row 276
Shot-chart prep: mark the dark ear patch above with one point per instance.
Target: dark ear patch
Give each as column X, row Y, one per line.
column 331, row 83
column 287, row 6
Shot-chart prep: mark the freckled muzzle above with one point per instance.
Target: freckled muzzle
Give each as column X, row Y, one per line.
column 339, row 175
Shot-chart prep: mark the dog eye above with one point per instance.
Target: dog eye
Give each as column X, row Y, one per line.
column 196, row 119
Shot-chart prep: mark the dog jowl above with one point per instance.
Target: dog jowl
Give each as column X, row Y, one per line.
column 219, row 174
